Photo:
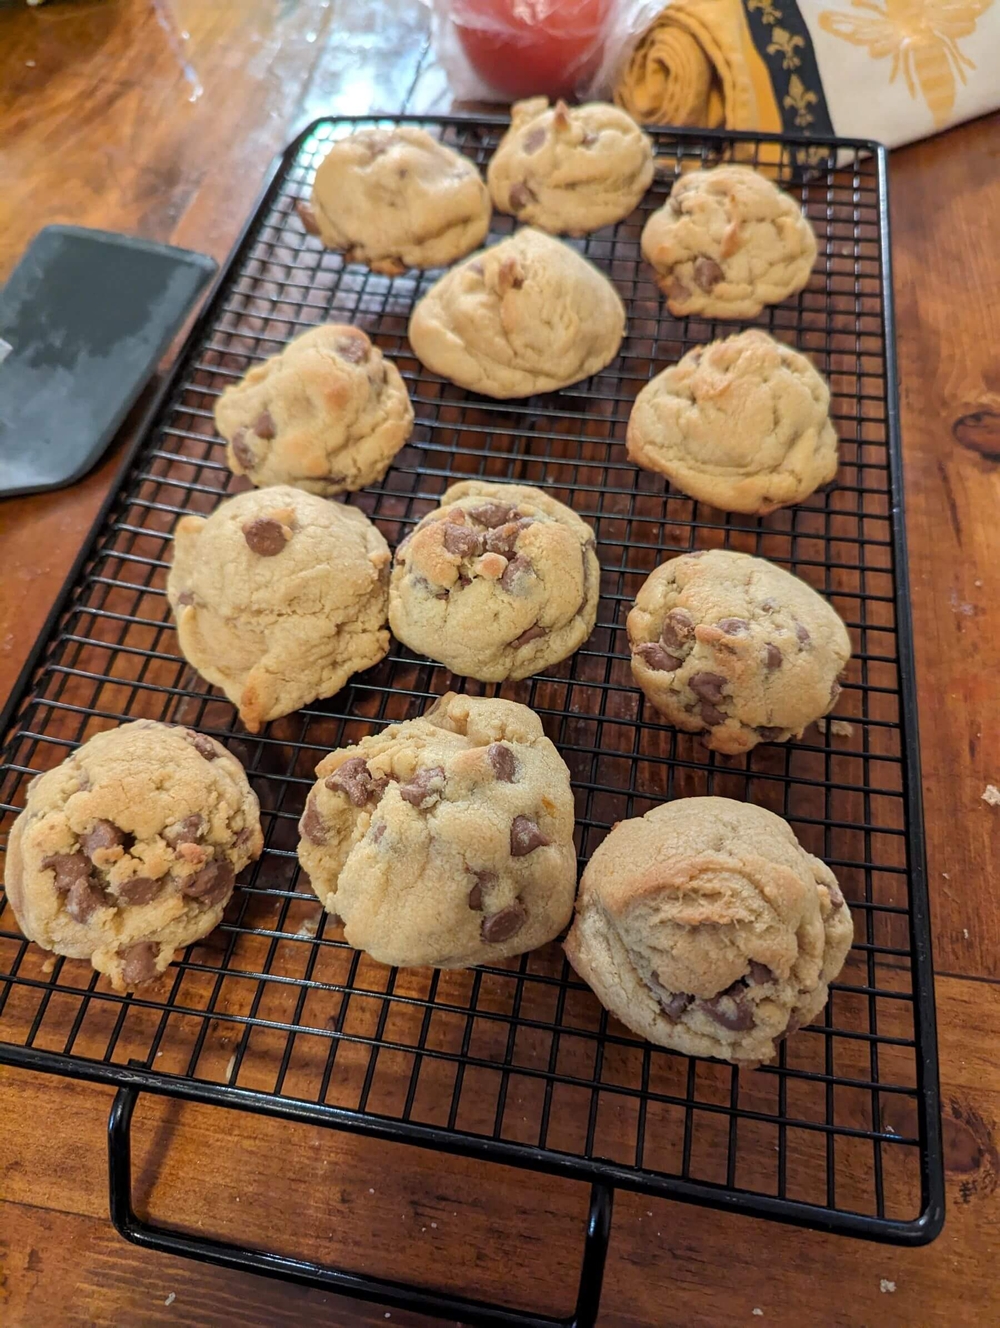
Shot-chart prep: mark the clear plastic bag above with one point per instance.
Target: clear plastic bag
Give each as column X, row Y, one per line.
column 503, row 50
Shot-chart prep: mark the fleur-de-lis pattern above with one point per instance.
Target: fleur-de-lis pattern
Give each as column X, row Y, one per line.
column 921, row 36
column 768, row 13
column 784, row 43
column 799, row 98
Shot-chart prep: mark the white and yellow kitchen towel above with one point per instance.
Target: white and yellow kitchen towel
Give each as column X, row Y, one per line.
column 892, row 70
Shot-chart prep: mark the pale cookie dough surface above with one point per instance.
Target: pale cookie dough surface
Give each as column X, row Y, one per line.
column 445, row 840
column 743, row 424
column 528, row 315
column 704, row 926
column 726, row 242
column 499, row 582
column 570, row 170
column 327, row 414
column 279, row 598
column 736, row 647
column 128, row 850
column 396, row 199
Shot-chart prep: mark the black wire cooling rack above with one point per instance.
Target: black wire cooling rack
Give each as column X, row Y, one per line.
column 518, row 1063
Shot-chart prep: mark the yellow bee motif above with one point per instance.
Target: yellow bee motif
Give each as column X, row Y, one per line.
column 922, row 38
column 784, row 44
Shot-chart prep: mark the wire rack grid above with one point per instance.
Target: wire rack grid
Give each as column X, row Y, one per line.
column 518, row 1062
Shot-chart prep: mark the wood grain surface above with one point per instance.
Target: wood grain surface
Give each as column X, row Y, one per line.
column 159, row 117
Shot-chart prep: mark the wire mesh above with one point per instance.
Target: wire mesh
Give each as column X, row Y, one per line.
column 521, row 1056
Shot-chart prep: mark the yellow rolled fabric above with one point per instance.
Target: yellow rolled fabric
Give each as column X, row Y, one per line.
column 697, row 65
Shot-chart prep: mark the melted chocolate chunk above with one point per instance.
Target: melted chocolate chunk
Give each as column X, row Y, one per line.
column 102, row 835
column 525, row 837
column 707, row 686
column 211, row 884
column 312, row 826
column 502, row 926
column 502, row 759
column 418, row 792
column 265, row 537
column 357, row 781
column 140, row 890
column 138, row 963
column 657, row 658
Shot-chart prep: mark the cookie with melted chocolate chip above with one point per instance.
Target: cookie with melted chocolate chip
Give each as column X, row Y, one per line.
column 128, row 850
column 279, row 597
column 706, row 927
column 445, row 840
column 501, row 581
column 736, row 648
column 327, row 414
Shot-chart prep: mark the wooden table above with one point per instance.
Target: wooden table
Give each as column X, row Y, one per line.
column 159, row 117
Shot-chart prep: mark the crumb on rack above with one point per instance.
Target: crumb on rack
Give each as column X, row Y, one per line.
column 840, row 728
column 991, row 794
column 885, row 1285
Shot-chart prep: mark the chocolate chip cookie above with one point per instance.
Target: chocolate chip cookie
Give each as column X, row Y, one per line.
column 445, row 840
column 743, row 424
column 128, row 850
column 570, row 170
column 396, row 199
column 528, row 315
column 327, row 414
column 279, row 598
column 735, row 647
column 501, row 581
column 728, row 241
column 705, row 926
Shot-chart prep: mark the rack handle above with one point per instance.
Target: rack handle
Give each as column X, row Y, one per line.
column 400, row 1295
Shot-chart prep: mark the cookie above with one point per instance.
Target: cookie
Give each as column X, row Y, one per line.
column 529, row 315
column 279, row 598
column 726, row 242
column 445, row 840
column 500, row 581
column 327, row 414
column 743, row 424
column 732, row 646
column 704, row 926
column 570, row 170
column 128, row 850
column 397, row 199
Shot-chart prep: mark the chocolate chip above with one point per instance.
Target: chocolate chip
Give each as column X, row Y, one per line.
column 760, row 974
column 493, row 514
column 505, row 924
column 418, row 792
column 357, row 781
column 353, row 349
column 264, row 536
column 311, row 824
column 802, row 633
column 138, row 963
column 377, row 831
column 504, row 538
column 205, row 747
column 734, row 626
column 462, row 540
column 770, row 604
column 533, row 139
column 188, row 831
column 529, row 634
column 307, row 216
column 657, row 658
column 185, row 597
column 520, row 196
column 678, row 627
column 68, row 867
column 674, row 1006
column 104, row 834
column 477, row 268
column 264, row 426
column 769, row 733
column 211, row 884
column 485, row 880
column 525, row 837
column 711, row 714
column 502, row 760
column 678, row 291
column 589, row 139
column 243, row 838
column 707, row 686
column 464, row 580
column 707, row 273
column 84, row 899
column 140, row 890
column 772, row 656
column 242, row 450
column 730, row 1009
column 835, row 690
column 516, row 569
column 836, row 896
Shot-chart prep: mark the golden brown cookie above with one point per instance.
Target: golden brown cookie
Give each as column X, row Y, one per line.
column 128, row 850
column 706, row 927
